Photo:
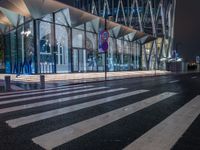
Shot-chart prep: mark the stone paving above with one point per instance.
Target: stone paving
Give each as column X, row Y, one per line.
column 26, row 82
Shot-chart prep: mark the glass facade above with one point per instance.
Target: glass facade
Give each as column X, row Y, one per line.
column 155, row 17
column 51, row 45
column 20, row 50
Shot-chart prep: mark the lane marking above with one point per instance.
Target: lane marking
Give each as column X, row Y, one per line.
column 44, row 92
column 38, row 90
column 59, row 100
column 56, row 112
column 164, row 135
column 58, row 137
column 174, row 81
column 81, row 89
column 194, row 77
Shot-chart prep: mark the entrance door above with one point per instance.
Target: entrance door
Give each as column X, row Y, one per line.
column 79, row 60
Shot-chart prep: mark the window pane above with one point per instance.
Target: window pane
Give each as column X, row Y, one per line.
column 46, row 48
column 78, row 38
column 13, row 51
column 7, row 54
column 63, row 49
column 91, row 41
column 61, row 17
column 26, row 51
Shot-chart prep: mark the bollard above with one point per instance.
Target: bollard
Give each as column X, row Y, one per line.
column 42, row 81
column 7, row 83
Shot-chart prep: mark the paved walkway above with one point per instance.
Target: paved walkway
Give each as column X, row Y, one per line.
column 52, row 80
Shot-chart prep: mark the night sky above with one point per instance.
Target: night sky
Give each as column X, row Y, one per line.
column 187, row 28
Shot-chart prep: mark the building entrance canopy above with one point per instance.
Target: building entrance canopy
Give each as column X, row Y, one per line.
column 13, row 11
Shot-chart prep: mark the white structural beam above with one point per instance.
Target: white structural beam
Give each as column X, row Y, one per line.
column 17, row 6
column 12, row 17
column 74, row 17
column 39, row 8
column 4, row 20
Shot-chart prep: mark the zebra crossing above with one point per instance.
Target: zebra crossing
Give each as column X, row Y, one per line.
column 162, row 136
column 94, row 96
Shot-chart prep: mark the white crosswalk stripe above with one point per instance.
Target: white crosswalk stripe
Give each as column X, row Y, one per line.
column 39, row 90
column 164, row 135
column 43, row 103
column 194, row 77
column 174, row 81
column 44, row 92
column 161, row 136
column 82, row 89
column 66, row 134
column 41, row 116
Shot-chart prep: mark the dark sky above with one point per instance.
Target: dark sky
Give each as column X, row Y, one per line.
column 187, row 28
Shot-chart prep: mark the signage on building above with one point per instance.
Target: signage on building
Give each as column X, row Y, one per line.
column 103, row 41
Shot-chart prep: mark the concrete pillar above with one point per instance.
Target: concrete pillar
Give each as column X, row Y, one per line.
column 7, row 83
column 42, row 81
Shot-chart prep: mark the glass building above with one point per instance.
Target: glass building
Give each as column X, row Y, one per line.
column 47, row 36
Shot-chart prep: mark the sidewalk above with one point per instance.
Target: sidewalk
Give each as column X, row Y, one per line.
column 74, row 78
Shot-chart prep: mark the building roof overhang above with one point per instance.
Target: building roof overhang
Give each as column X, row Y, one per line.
column 11, row 10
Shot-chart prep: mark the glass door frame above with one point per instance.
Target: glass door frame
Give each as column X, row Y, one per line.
column 79, row 68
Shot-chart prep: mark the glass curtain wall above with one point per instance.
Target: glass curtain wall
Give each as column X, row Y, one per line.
column 25, row 49
column 63, row 51
column 92, row 52
column 79, row 51
column 13, row 49
column 60, row 48
column 8, row 61
column 2, row 50
column 20, row 50
column 91, row 48
column 46, row 47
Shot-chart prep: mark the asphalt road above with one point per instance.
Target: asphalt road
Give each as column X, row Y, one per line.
column 154, row 113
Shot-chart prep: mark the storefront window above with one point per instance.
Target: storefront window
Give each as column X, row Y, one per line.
column 126, row 56
column 112, row 51
column 47, row 63
column 29, row 50
column 91, row 46
column 7, row 54
column 25, row 51
column 63, row 49
column 2, row 49
column 78, row 40
column 120, row 54
column 13, row 51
